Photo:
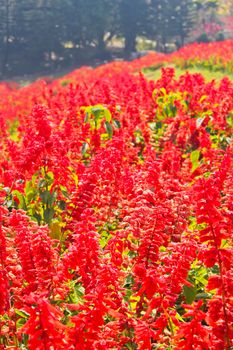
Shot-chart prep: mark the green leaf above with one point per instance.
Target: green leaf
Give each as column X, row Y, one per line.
column 49, row 175
column 30, row 195
column 48, row 215
column 230, row 121
column 84, row 148
column 203, row 296
column 62, row 205
column 202, row 275
column 129, row 281
column 171, row 110
column 22, row 202
column 159, row 125
column 79, row 289
column 163, row 90
column 204, row 97
column 20, row 323
column 105, row 236
column 21, row 313
column 107, row 115
column 202, row 280
column 86, row 118
column 52, row 198
column 109, row 129
column 45, row 196
column 194, row 156
column 179, row 317
column 98, row 112
column 37, row 217
column 65, row 194
column 77, row 292
column 190, row 294
column 116, row 123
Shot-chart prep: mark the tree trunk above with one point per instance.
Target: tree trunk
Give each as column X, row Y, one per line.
column 130, row 43
column 101, row 46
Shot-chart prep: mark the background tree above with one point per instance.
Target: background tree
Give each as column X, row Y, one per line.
column 185, row 15
column 133, row 21
column 7, row 18
column 171, row 20
column 46, row 34
column 90, row 22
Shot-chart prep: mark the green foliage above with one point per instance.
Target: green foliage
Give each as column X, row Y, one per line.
column 166, row 103
column 47, row 33
column 207, row 72
column 98, row 116
column 95, row 115
column 198, row 279
column 194, row 156
column 171, row 19
column 203, row 38
column 41, row 200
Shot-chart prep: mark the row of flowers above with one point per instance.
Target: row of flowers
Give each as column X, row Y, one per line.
column 116, row 213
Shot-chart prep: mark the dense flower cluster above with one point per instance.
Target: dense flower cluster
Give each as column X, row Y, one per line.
column 216, row 56
column 116, row 210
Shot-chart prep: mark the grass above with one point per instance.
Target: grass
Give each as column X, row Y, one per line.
column 155, row 73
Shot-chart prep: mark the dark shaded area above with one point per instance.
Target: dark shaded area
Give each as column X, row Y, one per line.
column 50, row 35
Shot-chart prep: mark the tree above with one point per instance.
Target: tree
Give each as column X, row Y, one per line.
column 184, row 19
column 133, row 21
column 37, row 28
column 6, row 7
column 171, row 20
column 90, row 22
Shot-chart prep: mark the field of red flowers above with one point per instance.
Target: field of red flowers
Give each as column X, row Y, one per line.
column 117, row 208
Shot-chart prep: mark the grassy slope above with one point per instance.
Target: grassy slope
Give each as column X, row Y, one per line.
column 155, row 74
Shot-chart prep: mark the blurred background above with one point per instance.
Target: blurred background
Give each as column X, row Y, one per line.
column 49, row 36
